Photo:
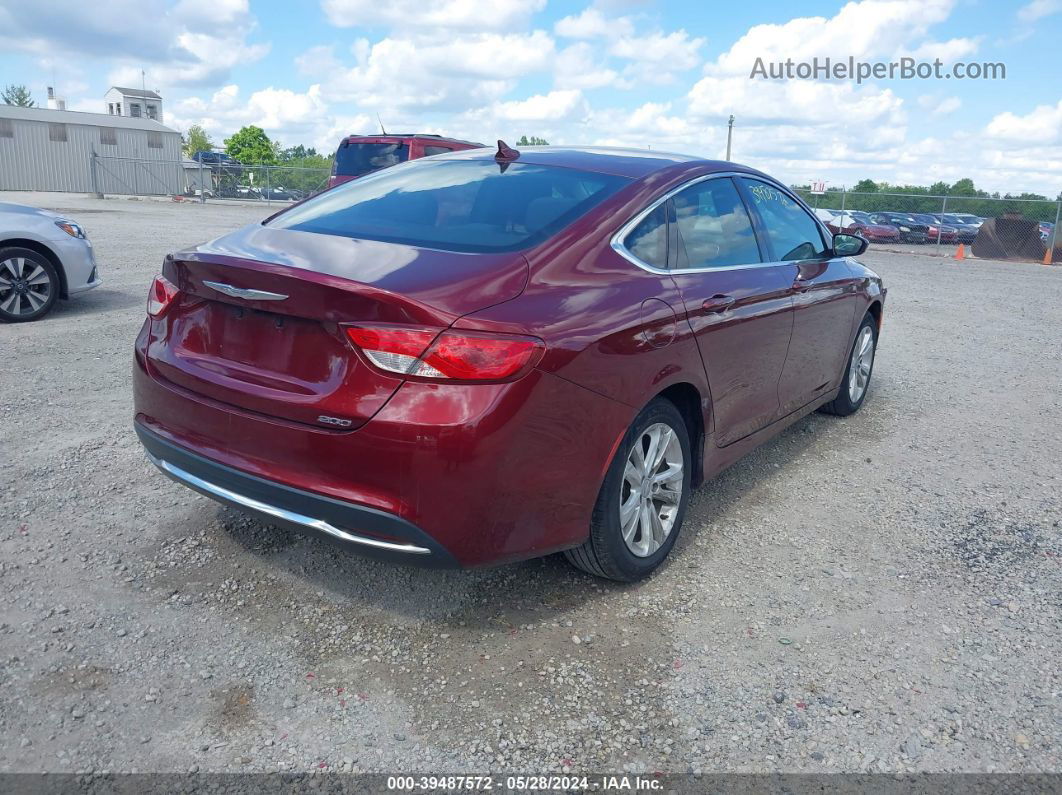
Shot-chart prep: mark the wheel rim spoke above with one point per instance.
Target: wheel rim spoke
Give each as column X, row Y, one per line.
column 38, row 277
column 646, row 527
column 36, row 301
column 14, row 266
column 13, row 304
column 629, row 517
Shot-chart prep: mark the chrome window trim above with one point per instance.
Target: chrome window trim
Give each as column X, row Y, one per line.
column 628, row 227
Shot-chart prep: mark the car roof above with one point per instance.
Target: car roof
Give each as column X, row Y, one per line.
column 405, row 137
column 619, row 161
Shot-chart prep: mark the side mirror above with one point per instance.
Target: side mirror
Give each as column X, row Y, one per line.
column 849, row 245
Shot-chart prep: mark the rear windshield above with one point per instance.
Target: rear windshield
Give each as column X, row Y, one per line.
column 456, row 205
column 353, row 160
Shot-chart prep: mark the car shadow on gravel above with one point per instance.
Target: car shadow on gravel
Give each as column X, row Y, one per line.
column 527, row 591
column 99, row 300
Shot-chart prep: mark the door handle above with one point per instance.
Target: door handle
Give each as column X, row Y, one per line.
column 718, row 303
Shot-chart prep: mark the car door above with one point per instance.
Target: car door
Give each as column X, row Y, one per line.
column 823, row 291
column 737, row 304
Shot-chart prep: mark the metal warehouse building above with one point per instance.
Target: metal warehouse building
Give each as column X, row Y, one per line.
column 64, row 150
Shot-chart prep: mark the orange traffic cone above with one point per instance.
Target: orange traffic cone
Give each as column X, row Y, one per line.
column 1049, row 255
column 961, row 253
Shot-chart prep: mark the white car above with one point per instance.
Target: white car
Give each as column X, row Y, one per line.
column 43, row 257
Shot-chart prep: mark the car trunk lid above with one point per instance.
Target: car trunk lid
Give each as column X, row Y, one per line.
column 259, row 320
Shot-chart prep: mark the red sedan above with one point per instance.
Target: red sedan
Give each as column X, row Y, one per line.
column 859, row 223
column 487, row 357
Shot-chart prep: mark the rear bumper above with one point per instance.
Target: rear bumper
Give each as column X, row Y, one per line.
column 484, row 473
column 355, row 527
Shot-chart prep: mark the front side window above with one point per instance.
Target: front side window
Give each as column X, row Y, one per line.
column 354, row 159
column 648, row 240
column 455, row 205
column 793, row 233
column 713, row 227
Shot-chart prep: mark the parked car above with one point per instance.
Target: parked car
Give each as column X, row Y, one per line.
column 964, row 232
column 969, row 219
column 859, row 223
column 43, row 257
column 479, row 358
column 911, row 231
column 935, row 229
column 1046, row 228
column 278, row 194
column 359, row 155
column 212, row 158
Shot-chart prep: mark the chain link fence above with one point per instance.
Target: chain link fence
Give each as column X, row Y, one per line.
column 986, row 227
column 189, row 179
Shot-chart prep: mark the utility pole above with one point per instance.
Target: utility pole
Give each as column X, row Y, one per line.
column 729, row 135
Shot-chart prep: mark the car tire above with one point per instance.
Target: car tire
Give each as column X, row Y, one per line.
column 607, row 552
column 859, row 367
column 29, row 285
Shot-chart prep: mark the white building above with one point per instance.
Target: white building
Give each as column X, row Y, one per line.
column 65, row 150
column 135, row 103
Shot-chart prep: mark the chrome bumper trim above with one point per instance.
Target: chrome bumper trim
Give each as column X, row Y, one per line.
column 177, row 473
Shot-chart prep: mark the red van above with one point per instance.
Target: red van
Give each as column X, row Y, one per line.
column 361, row 154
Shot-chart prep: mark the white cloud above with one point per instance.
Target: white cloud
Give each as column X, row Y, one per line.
column 674, row 51
column 863, row 30
column 438, row 74
column 462, row 14
column 1038, row 9
column 947, row 51
column 554, row 106
column 592, row 24
column 577, row 66
column 1040, row 127
column 939, row 106
column 174, row 43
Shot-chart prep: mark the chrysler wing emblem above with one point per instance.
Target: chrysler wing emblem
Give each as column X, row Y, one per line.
column 244, row 292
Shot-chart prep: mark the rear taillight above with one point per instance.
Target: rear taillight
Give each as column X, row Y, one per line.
column 454, row 355
column 160, row 295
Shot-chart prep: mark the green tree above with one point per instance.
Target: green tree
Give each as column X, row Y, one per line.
column 865, row 186
column 252, row 146
column 964, row 187
column 532, row 141
column 17, row 95
column 197, row 140
column 939, row 189
column 299, row 152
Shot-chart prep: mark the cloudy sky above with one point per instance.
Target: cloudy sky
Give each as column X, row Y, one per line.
column 659, row 73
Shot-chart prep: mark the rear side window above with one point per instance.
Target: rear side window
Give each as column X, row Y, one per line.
column 648, row 240
column 436, row 150
column 793, row 233
column 354, row 159
column 714, row 227
column 455, row 205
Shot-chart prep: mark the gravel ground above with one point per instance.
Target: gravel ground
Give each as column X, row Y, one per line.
column 879, row 593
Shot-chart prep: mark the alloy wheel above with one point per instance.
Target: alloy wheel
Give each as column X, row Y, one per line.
column 651, row 491
column 25, row 286
column 860, row 366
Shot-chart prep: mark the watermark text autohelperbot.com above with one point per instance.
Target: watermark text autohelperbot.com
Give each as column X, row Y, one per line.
column 850, row 69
